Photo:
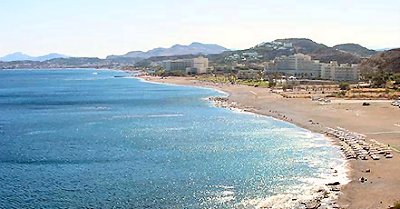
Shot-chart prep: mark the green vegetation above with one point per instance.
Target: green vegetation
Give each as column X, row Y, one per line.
column 218, row 79
column 271, row 84
column 233, row 80
column 344, row 86
column 382, row 79
column 256, row 83
column 163, row 73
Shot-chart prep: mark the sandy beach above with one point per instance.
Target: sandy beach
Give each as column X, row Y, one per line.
column 379, row 121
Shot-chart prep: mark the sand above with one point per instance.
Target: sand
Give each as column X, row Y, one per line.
column 380, row 121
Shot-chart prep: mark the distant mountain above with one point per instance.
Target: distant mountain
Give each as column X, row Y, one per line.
column 19, row 56
column 194, row 48
column 50, row 56
column 355, row 49
column 387, row 61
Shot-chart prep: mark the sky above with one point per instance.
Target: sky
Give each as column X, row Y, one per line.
column 103, row 27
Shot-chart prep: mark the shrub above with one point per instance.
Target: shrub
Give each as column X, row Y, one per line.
column 344, row 86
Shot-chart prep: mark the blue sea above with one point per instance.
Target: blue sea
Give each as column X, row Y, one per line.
column 85, row 138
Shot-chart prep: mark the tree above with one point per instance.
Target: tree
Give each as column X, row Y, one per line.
column 271, row 84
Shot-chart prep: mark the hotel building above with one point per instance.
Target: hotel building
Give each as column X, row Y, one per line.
column 197, row 65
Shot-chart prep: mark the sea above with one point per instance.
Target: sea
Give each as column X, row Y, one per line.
column 88, row 138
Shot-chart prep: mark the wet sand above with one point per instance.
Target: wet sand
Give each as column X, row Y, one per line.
column 380, row 121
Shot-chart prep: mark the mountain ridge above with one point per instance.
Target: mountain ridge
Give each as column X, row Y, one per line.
column 355, row 49
column 177, row 49
column 19, row 56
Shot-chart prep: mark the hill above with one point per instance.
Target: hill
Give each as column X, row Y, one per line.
column 194, row 48
column 303, row 45
column 320, row 51
column 19, row 56
column 387, row 61
column 269, row 50
column 355, row 49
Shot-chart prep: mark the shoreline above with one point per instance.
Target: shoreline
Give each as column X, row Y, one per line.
column 322, row 191
column 352, row 194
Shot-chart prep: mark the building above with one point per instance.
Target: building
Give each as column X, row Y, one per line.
column 177, row 65
column 200, row 64
column 302, row 66
column 197, row 65
column 344, row 72
column 298, row 65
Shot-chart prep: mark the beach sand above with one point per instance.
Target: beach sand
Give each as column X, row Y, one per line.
column 379, row 121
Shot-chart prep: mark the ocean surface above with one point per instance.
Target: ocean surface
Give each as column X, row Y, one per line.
column 98, row 139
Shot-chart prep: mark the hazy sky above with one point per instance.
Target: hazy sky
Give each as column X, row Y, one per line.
column 103, row 27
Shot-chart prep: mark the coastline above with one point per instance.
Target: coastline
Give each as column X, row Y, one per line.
column 383, row 188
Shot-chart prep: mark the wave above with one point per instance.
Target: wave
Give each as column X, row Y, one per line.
column 176, row 129
column 96, row 108
column 147, row 116
column 85, row 79
column 307, row 190
column 40, row 132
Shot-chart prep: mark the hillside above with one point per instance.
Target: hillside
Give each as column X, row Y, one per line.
column 269, row 50
column 355, row 49
column 387, row 61
column 320, row 51
column 303, row 45
column 194, row 48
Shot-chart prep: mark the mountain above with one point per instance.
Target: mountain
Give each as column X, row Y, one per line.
column 355, row 49
column 49, row 57
column 194, row 48
column 387, row 61
column 19, row 56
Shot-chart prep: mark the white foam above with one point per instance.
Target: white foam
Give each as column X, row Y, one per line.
column 147, row 116
column 40, row 132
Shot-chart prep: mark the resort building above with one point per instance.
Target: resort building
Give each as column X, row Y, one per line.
column 197, row 65
column 344, row 72
column 298, row 65
column 302, row 66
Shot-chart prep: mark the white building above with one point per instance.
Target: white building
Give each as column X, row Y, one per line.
column 200, row 66
column 343, row 72
column 191, row 66
column 298, row 65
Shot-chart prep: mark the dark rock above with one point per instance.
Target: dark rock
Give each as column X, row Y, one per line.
column 333, row 184
column 362, row 179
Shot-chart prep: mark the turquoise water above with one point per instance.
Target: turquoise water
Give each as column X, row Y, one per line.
column 90, row 138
